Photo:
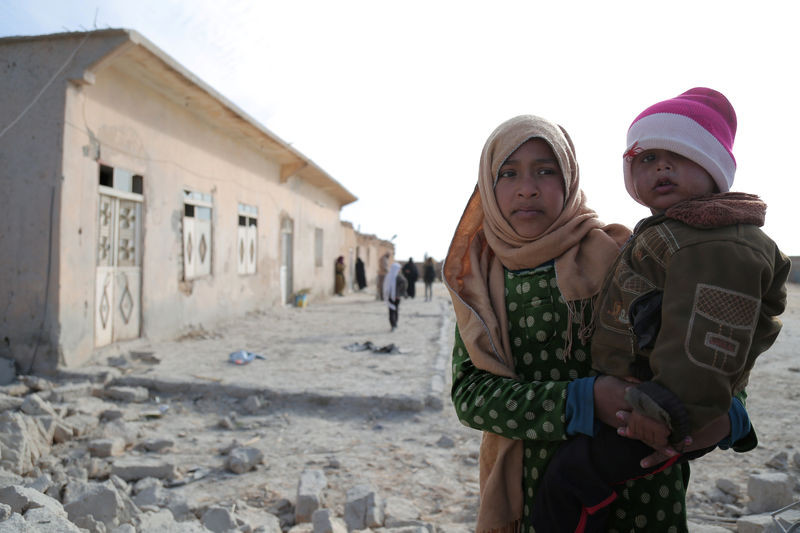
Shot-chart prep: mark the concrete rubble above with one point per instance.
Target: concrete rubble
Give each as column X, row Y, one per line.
column 108, row 479
column 81, row 452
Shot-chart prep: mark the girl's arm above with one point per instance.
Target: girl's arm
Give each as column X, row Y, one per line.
column 505, row 406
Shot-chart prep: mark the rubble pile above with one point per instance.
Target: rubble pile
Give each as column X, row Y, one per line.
column 85, row 453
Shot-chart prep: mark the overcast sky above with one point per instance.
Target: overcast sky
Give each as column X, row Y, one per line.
column 395, row 100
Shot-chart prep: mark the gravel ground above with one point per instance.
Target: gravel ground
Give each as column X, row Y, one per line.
column 382, row 418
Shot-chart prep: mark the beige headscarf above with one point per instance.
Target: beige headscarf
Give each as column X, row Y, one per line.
column 484, row 242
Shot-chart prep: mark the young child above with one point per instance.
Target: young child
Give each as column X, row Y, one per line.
column 689, row 304
column 526, row 260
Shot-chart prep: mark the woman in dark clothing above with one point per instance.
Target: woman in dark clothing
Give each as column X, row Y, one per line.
column 428, row 276
column 361, row 276
column 411, row 274
column 339, row 280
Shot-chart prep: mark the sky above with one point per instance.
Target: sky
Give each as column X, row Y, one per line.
column 395, row 100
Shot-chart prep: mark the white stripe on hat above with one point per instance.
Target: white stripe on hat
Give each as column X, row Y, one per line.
column 682, row 135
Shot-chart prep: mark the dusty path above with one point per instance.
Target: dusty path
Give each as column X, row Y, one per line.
column 363, row 416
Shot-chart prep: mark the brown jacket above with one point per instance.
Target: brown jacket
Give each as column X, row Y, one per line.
column 693, row 298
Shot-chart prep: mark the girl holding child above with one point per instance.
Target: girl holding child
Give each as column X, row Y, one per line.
column 526, row 259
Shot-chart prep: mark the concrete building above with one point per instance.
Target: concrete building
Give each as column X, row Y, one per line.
column 137, row 201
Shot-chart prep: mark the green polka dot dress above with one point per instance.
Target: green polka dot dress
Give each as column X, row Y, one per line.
column 533, row 408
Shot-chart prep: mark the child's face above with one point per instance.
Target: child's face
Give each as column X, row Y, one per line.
column 662, row 178
column 530, row 188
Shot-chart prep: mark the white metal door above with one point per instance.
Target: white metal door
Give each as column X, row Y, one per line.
column 118, row 280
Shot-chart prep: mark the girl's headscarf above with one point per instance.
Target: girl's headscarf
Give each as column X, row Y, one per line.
column 484, row 242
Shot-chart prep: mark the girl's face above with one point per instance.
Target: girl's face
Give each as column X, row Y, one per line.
column 530, row 188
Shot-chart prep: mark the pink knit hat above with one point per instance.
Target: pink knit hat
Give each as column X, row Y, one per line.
column 700, row 125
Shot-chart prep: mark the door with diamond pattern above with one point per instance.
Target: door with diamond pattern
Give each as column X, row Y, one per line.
column 119, row 267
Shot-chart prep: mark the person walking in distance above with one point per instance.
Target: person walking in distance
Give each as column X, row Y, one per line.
column 412, row 275
column 394, row 288
column 383, row 269
column 339, row 281
column 428, row 276
column 361, row 276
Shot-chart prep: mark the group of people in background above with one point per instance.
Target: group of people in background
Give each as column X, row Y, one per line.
column 394, row 281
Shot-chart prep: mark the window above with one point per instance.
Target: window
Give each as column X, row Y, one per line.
column 196, row 235
column 318, row 247
column 246, row 248
column 121, row 179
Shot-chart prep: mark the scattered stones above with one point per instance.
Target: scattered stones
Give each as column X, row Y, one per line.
column 706, row 528
column 100, row 501
column 728, row 487
column 129, row 433
column 23, row 440
column 309, row 494
column 769, row 492
column 244, row 459
column 70, row 392
column 35, row 405
column 8, row 402
column 757, row 523
column 106, row 447
column 227, row 422
column 111, row 414
column 15, row 389
column 283, row 509
column 445, row 442
column 45, row 520
column 135, row 468
column 127, row 394
column 20, row 499
column 81, row 424
column 779, row 461
column 156, row 445
column 62, row 431
column 40, row 484
column 219, row 520
column 363, row 508
column 325, row 522
column 252, row 404
column 92, row 434
column 36, row 383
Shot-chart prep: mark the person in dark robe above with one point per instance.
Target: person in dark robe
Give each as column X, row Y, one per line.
column 361, row 276
column 411, row 274
column 339, row 277
column 428, row 276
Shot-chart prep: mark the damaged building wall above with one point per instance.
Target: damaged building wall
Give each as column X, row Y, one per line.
column 128, row 125
column 153, row 203
column 31, row 136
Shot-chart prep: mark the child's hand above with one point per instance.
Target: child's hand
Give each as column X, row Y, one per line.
column 609, row 398
column 638, row 426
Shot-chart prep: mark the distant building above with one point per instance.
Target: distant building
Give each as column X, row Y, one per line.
column 137, row 201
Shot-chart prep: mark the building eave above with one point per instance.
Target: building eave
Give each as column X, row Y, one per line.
column 139, row 57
